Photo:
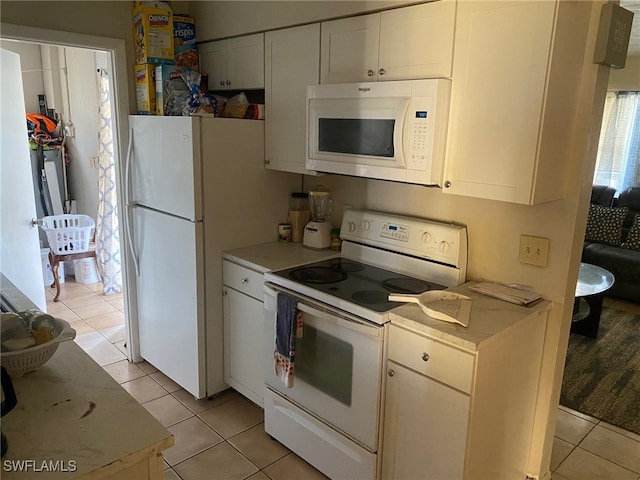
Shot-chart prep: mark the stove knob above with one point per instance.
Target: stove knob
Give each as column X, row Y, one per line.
column 426, row 237
column 351, row 226
column 366, row 225
column 444, row 247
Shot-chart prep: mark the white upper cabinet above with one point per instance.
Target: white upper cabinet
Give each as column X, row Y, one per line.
column 513, row 98
column 404, row 43
column 292, row 59
column 234, row 63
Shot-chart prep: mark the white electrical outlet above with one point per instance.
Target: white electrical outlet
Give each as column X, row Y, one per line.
column 534, row 250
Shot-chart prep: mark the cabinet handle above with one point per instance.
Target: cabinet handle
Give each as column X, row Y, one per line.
column 222, row 83
column 447, row 184
column 228, row 82
column 381, row 71
column 425, row 357
column 391, row 373
column 370, row 73
column 244, row 281
column 225, row 293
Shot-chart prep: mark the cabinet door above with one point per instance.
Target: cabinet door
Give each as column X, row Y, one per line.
column 245, row 62
column 417, row 41
column 500, row 74
column 292, row 61
column 349, row 49
column 213, row 61
column 425, row 427
column 243, row 338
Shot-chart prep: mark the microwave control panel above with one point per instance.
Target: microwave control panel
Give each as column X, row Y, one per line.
column 420, row 133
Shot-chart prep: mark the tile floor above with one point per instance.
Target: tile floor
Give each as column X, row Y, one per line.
column 223, row 438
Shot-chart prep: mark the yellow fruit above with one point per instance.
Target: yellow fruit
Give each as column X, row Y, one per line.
column 42, row 335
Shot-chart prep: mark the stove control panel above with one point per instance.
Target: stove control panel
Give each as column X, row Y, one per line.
column 394, row 231
column 442, row 242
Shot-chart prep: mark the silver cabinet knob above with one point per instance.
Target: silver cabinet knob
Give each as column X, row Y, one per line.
column 228, row 82
column 425, row 357
column 370, row 73
column 391, row 373
column 381, row 71
column 244, row 281
column 222, row 83
column 447, row 184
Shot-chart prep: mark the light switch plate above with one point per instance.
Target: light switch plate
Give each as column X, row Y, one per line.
column 534, row 250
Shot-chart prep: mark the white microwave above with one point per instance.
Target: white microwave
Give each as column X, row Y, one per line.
column 386, row 130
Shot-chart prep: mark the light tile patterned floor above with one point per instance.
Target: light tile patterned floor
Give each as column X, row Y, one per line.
column 223, row 438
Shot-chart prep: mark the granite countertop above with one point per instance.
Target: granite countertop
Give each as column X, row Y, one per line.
column 489, row 319
column 276, row 256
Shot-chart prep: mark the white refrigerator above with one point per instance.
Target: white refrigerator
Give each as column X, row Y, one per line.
column 196, row 187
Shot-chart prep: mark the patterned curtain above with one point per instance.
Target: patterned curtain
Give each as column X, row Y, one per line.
column 107, row 232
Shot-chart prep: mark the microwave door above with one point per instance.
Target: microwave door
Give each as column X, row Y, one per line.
column 361, row 132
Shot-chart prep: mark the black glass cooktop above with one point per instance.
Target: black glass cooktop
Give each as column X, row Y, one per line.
column 356, row 282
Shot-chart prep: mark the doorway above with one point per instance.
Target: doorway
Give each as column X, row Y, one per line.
column 111, row 53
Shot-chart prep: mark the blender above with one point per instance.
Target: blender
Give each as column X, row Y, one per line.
column 317, row 233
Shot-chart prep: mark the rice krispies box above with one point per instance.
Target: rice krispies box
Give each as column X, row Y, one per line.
column 146, row 88
column 184, row 41
column 153, row 32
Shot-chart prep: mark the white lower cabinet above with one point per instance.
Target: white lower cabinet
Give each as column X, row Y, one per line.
column 459, row 413
column 243, row 330
column 425, row 427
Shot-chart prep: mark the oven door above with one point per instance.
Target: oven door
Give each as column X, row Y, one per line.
column 337, row 369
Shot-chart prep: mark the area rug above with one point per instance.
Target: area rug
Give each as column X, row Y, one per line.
column 602, row 376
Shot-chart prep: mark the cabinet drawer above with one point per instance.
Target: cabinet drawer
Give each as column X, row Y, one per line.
column 243, row 279
column 434, row 359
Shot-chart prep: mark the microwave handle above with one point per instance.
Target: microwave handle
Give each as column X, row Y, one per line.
column 400, row 136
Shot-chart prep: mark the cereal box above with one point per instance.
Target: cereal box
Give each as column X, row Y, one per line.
column 184, row 41
column 146, row 89
column 153, row 32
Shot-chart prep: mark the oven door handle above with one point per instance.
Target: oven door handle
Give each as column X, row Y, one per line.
column 340, row 320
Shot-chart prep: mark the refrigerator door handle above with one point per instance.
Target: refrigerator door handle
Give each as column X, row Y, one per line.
column 127, row 192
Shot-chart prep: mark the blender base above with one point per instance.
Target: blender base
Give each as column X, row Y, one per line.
column 317, row 235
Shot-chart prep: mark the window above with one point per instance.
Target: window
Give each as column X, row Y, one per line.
column 618, row 161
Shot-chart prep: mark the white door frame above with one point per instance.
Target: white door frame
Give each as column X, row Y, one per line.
column 120, row 102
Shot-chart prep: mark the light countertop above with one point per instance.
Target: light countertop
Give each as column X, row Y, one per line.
column 73, row 417
column 489, row 319
column 276, row 256
column 489, row 316
column 71, row 410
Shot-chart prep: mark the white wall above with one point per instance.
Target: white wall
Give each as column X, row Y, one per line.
column 627, row 78
column 83, row 111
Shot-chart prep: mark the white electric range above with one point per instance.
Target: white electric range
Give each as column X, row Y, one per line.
column 331, row 415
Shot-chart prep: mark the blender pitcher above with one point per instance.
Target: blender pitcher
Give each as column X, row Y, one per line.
column 317, row 233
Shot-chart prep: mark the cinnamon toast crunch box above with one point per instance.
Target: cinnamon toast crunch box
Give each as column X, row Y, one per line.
column 153, row 32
